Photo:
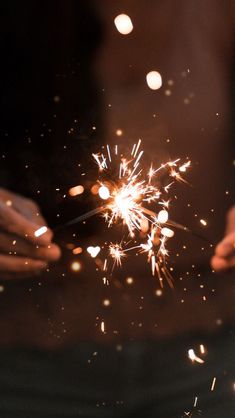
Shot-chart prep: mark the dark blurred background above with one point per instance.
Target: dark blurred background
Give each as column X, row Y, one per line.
column 69, row 81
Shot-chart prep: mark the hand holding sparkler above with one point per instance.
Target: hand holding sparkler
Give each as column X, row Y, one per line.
column 22, row 253
column 224, row 258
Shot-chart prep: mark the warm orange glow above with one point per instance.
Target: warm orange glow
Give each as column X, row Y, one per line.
column 76, row 266
column 75, row 191
column 77, row 250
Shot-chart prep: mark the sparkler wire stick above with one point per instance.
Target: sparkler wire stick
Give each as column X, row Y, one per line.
column 80, row 218
column 100, row 209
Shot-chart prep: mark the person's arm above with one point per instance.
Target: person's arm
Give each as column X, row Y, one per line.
column 224, row 257
column 21, row 253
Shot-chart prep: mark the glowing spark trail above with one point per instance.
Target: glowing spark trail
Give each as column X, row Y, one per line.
column 129, row 194
column 138, row 199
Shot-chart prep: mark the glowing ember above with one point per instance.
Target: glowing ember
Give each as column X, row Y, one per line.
column 42, row 230
column 194, row 357
column 123, row 24
column 102, row 327
column 93, row 251
column 106, row 302
column 202, row 349
column 162, row 216
column 116, row 252
column 154, row 80
column 119, row 132
column 167, row 232
column 77, row 250
column 213, row 384
column 104, row 192
column 76, row 266
column 74, row 191
column 203, row 222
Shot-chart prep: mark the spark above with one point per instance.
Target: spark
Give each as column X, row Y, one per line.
column 104, row 192
column 183, row 168
column 93, row 251
column 162, row 216
column 202, row 349
column 123, row 24
column 203, row 222
column 74, row 191
column 105, row 265
column 42, row 230
column 167, row 232
column 117, row 253
column 194, row 357
column 128, row 195
column 119, row 132
column 154, row 80
column 213, row 384
column 102, row 327
column 77, row 250
column 76, row 266
column 136, row 199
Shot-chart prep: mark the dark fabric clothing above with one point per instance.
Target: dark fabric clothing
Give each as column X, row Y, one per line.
column 128, row 380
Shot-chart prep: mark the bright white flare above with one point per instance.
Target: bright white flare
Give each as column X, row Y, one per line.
column 167, row 232
column 116, row 252
column 162, row 217
column 104, row 192
column 42, row 230
column 194, row 357
column 134, row 197
column 123, row 24
column 154, row 80
column 93, row 251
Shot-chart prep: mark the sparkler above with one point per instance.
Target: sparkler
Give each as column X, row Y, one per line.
column 130, row 196
column 137, row 199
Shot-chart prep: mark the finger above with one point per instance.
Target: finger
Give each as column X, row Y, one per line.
column 230, row 220
column 29, row 209
column 220, row 264
column 16, row 223
column 9, row 243
column 227, row 246
column 50, row 253
column 23, row 205
column 26, row 207
column 10, row 263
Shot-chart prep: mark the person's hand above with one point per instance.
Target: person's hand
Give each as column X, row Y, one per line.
column 224, row 258
column 21, row 253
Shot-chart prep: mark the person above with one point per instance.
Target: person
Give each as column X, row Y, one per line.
column 55, row 360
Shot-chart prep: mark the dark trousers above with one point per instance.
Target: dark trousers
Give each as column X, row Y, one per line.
column 133, row 379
